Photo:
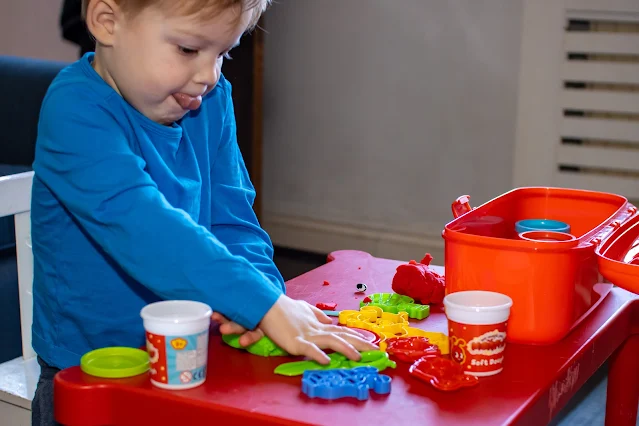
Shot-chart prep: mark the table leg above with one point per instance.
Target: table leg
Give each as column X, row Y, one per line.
column 623, row 384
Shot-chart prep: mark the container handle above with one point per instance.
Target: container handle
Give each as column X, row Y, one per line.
column 595, row 241
column 461, row 206
column 612, row 226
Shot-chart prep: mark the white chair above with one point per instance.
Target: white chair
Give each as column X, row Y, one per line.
column 18, row 377
column 15, row 200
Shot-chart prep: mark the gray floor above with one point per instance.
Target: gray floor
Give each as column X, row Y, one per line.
column 587, row 407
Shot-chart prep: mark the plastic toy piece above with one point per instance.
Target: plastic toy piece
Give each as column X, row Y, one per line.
column 391, row 302
column 367, row 300
column 115, row 362
column 263, row 347
column 416, row 280
column 410, row 349
column 370, row 336
column 444, row 374
column 331, row 313
column 326, row 283
column 361, row 287
column 343, row 383
column 326, row 306
column 439, row 339
column 388, row 325
column 377, row 359
column 374, row 317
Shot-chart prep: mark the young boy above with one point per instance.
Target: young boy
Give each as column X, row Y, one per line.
column 141, row 194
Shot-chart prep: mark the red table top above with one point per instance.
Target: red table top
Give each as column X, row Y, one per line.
column 536, row 383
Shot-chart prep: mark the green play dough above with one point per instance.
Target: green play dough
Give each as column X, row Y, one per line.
column 377, row 359
column 394, row 303
column 263, row 347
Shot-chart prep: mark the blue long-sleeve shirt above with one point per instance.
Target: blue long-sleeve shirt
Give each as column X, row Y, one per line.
column 126, row 211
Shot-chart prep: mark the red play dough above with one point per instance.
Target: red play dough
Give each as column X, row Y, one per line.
column 410, row 349
column 444, row 374
column 326, row 306
column 416, row 280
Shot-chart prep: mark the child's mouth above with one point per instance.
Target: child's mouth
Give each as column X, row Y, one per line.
column 188, row 102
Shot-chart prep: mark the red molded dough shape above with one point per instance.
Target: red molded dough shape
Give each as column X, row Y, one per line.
column 416, row 280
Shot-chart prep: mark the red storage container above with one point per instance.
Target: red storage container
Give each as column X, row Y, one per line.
column 553, row 284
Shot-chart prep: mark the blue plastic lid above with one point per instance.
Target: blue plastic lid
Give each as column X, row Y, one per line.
column 541, row 225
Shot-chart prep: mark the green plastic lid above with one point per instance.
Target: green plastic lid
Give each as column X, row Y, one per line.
column 115, row 362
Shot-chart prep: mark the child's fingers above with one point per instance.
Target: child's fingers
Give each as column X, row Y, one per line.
column 336, row 343
column 358, row 342
column 352, row 336
column 251, row 337
column 341, row 329
column 310, row 349
column 217, row 317
column 231, row 327
column 321, row 316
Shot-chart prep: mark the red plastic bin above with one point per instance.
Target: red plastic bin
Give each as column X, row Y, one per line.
column 552, row 283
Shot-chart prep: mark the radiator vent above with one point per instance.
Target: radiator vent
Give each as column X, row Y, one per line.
column 598, row 146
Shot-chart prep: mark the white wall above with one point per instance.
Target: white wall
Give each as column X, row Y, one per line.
column 378, row 114
column 30, row 28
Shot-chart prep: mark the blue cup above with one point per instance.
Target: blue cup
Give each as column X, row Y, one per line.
column 541, row 225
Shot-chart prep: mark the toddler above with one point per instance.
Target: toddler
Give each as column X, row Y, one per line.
column 140, row 193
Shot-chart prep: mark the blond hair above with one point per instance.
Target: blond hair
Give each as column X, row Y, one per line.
column 207, row 8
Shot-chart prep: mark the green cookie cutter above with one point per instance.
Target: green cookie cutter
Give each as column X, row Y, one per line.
column 377, row 359
column 263, row 347
column 395, row 303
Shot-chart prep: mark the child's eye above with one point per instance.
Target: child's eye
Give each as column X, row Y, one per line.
column 187, row 51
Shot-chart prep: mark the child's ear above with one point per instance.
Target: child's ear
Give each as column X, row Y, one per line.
column 102, row 19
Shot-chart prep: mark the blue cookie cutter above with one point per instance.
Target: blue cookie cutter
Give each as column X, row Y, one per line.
column 341, row 383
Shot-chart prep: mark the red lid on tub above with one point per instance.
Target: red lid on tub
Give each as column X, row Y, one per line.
column 618, row 256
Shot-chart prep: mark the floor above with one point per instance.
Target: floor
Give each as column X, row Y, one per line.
column 588, row 406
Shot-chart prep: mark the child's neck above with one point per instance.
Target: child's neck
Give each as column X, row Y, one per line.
column 99, row 66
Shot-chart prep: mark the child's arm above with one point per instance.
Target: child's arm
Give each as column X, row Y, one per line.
column 84, row 158
column 234, row 221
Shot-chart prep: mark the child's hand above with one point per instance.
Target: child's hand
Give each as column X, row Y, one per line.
column 247, row 338
column 302, row 329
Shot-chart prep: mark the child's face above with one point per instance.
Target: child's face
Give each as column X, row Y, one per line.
column 163, row 65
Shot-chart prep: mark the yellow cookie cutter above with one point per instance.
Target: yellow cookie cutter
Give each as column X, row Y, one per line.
column 386, row 325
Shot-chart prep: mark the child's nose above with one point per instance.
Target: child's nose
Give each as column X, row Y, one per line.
column 208, row 76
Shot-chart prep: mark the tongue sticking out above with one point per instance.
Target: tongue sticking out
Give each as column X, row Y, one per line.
column 188, row 102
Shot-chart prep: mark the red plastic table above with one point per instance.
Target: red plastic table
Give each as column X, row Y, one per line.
column 241, row 388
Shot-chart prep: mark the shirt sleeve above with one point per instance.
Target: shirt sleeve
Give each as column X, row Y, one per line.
column 85, row 159
column 234, row 221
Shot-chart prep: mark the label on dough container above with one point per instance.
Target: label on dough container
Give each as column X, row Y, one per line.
column 178, row 361
column 478, row 348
